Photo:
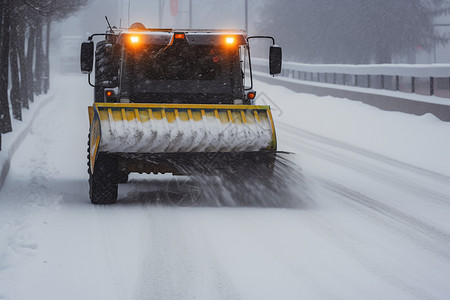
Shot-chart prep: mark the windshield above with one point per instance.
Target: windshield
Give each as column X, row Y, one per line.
column 202, row 70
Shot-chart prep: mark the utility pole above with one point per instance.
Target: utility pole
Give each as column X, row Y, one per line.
column 190, row 14
column 129, row 9
column 160, row 13
column 435, row 40
column 246, row 16
column 434, row 32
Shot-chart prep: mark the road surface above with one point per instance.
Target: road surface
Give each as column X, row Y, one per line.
column 366, row 226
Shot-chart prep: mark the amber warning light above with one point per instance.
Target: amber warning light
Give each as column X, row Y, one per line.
column 109, row 94
column 179, row 35
column 230, row 40
column 251, row 95
column 134, row 39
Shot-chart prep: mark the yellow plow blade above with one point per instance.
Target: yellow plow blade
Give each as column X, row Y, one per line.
column 173, row 128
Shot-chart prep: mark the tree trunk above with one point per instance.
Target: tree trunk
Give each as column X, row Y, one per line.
column 47, row 58
column 30, row 60
column 5, row 118
column 40, row 57
column 24, row 84
column 15, row 80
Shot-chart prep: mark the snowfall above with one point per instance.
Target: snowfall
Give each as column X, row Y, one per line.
column 376, row 223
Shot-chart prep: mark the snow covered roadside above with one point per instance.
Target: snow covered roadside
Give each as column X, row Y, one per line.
column 388, row 93
column 11, row 141
column 421, row 141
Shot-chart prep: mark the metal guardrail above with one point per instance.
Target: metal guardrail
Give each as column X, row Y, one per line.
column 430, row 80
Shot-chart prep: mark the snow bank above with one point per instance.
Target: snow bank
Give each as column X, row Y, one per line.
column 418, row 70
column 417, row 140
column 12, row 140
column 393, row 94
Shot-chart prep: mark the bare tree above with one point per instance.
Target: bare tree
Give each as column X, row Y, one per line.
column 25, row 51
column 5, row 15
column 353, row 31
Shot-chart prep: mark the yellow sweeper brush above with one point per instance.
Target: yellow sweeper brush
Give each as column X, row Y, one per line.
column 175, row 128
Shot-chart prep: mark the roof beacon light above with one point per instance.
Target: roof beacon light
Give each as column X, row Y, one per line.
column 230, row 40
column 134, row 39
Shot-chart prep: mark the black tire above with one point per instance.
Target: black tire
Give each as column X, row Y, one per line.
column 122, row 177
column 106, row 70
column 103, row 186
column 103, row 182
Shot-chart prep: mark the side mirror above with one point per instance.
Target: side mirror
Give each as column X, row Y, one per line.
column 87, row 57
column 275, row 58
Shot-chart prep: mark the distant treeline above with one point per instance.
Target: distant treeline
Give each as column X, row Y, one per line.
column 24, row 51
column 353, row 31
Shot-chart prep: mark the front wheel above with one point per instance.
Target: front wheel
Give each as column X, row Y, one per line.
column 103, row 181
column 122, row 177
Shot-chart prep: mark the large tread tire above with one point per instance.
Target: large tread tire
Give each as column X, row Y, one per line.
column 122, row 177
column 103, row 188
column 103, row 182
column 106, row 69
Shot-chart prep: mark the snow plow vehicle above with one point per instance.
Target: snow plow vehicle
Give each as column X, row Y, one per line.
column 166, row 101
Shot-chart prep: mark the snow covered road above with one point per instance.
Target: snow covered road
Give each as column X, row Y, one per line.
column 377, row 228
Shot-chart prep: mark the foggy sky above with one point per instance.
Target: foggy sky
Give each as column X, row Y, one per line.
column 205, row 14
